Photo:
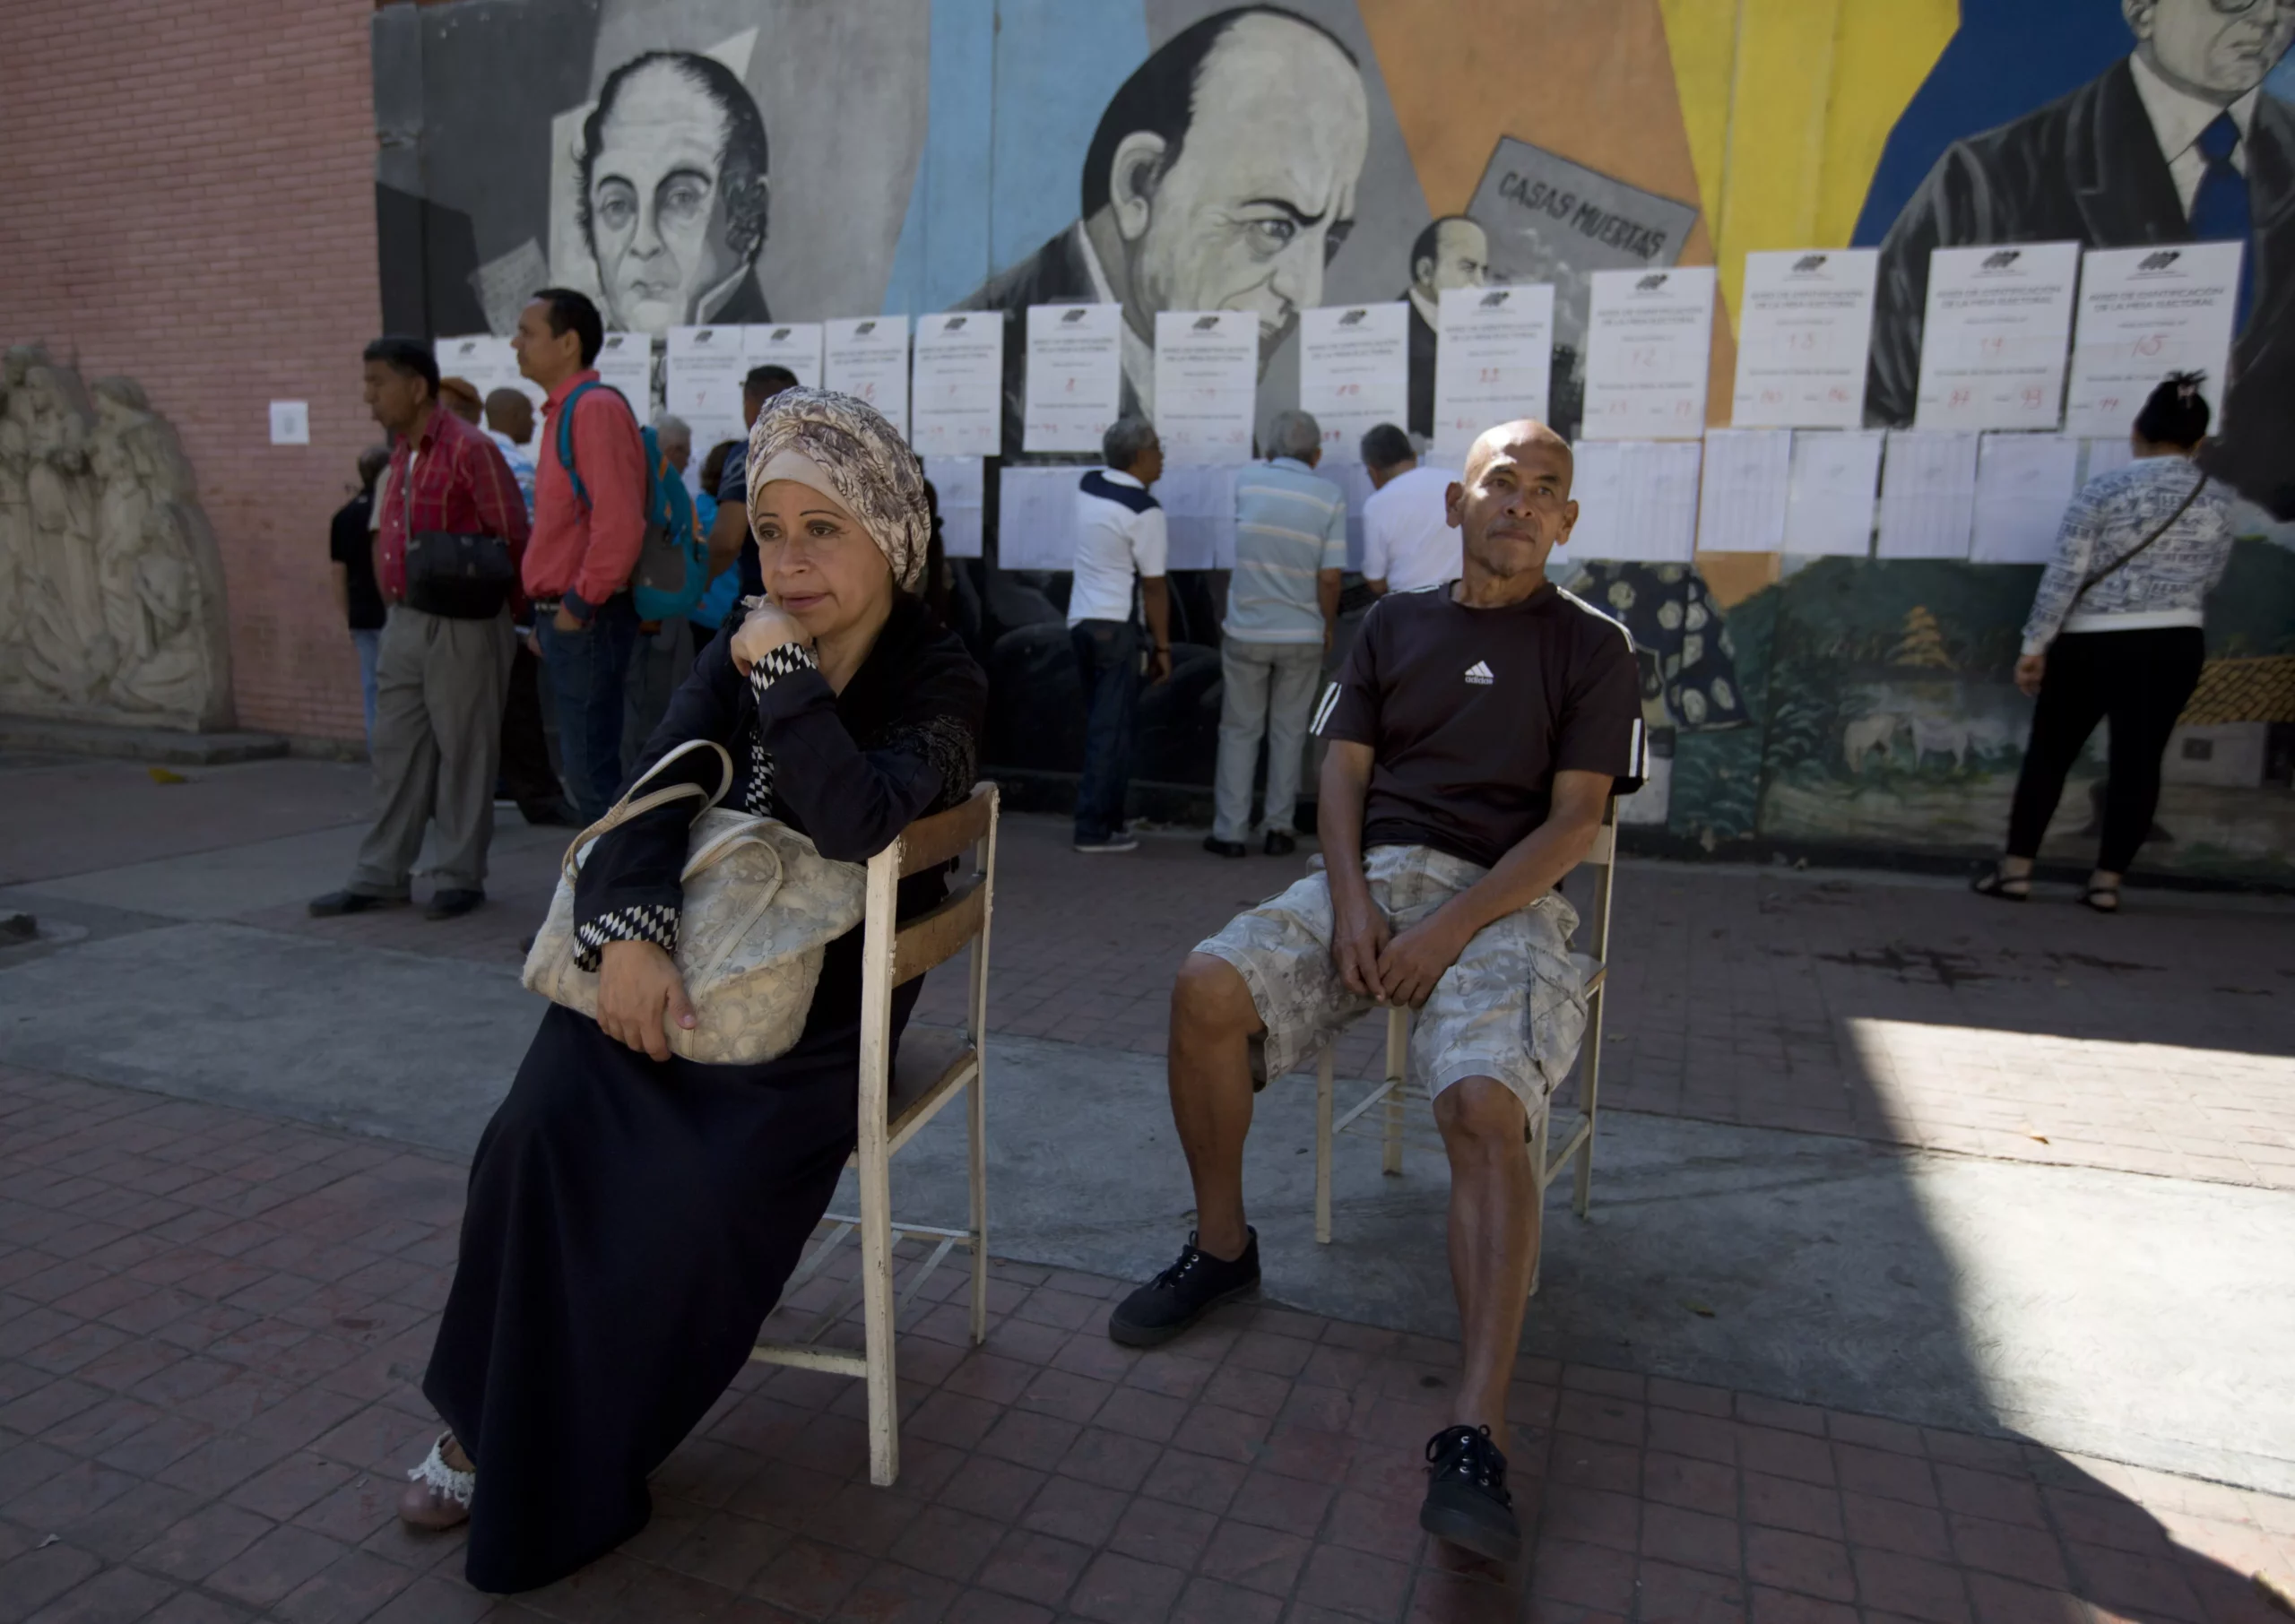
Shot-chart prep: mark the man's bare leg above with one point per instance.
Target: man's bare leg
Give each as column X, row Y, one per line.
column 1494, row 1237
column 1213, row 1021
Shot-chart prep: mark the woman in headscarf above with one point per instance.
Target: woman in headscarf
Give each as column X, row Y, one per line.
column 632, row 1216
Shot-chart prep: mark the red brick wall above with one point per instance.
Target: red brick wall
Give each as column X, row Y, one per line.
column 186, row 196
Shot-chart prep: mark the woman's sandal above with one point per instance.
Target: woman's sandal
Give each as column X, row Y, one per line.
column 1994, row 884
column 2101, row 899
column 438, row 1497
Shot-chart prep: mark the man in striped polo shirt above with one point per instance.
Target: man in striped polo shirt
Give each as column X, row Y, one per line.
column 1282, row 606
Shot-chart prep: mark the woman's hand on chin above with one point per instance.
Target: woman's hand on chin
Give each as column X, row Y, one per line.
column 639, row 986
column 765, row 629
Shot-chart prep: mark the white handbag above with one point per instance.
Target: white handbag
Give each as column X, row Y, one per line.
column 761, row 906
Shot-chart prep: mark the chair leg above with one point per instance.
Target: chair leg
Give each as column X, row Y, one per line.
column 1584, row 1193
column 1398, row 1063
column 977, row 1125
column 877, row 1320
column 1325, row 1082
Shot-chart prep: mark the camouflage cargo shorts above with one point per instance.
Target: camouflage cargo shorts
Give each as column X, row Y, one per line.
column 1513, row 1007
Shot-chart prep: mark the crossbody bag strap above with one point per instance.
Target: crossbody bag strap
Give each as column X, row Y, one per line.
column 2128, row 557
column 633, row 805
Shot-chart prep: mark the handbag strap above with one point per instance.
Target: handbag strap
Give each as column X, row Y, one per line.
column 633, row 805
column 2128, row 557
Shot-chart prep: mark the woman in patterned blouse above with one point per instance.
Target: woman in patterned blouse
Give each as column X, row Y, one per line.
column 633, row 1215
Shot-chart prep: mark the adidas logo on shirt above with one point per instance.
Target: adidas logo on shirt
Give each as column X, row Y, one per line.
column 1479, row 674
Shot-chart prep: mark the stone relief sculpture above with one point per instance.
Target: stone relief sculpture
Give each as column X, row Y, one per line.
column 111, row 600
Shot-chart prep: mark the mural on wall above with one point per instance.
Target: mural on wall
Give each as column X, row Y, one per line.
column 111, row 592
column 717, row 159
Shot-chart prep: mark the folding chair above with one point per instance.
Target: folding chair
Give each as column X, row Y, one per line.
column 1388, row 1097
column 896, row 1101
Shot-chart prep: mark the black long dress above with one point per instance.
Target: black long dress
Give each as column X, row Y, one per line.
column 631, row 1221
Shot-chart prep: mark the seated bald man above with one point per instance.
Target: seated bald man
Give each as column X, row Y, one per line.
column 1476, row 733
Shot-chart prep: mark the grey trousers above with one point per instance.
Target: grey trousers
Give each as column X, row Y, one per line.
column 664, row 660
column 438, row 689
column 1267, row 688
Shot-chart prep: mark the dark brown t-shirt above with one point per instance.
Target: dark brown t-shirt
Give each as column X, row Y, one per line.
column 1470, row 713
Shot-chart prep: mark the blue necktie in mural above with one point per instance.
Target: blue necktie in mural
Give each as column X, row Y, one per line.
column 2220, row 209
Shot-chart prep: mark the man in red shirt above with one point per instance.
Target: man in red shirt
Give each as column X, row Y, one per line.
column 589, row 524
column 446, row 559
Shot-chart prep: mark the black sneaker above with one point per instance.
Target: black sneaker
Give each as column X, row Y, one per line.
column 335, row 903
column 452, row 904
column 1224, row 848
column 1184, row 1294
column 1280, row 844
column 1467, row 1502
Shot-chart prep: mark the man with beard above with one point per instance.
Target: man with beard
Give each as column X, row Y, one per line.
column 1221, row 177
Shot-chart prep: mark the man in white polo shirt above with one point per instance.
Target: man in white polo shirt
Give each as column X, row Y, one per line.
column 1120, row 549
column 1408, row 539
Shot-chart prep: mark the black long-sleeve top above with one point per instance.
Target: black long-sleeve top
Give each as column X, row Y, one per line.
column 850, row 769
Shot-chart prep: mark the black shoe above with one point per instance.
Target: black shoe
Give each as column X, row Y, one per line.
column 556, row 814
column 1281, row 844
column 1182, row 1295
column 1223, row 847
column 336, row 903
column 452, row 904
column 1467, row 1502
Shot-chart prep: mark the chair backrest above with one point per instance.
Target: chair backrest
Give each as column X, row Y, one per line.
column 936, row 936
column 1602, row 858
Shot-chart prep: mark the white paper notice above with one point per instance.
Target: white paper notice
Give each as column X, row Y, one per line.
column 1207, row 385
column 957, row 399
column 1927, row 496
column 485, row 362
column 868, row 358
column 1493, row 364
column 625, row 362
column 1036, row 524
column 1637, row 501
column 1829, row 505
column 1199, row 513
column 960, row 484
column 1075, row 375
column 1804, row 326
column 1354, row 372
column 2105, row 454
column 706, row 368
column 2143, row 314
column 1742, row 490
column 1992, row 347
column 796, row 345
column 2023, row 482
column 1648, row 342
column 290, row 422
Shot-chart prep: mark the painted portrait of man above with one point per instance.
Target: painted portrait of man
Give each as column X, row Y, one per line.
column 1453, row 252
column 673, row 193
column 1222, row 175
column 2175, row 142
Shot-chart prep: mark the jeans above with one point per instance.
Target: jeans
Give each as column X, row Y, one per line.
column 2140, row 680
column 588, row 669
column 1107, row 660
column 368, row 641
column 1266, row 688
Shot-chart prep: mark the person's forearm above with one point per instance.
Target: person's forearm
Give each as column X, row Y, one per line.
column 1327, row 585
column 1155, row 602
column 1533, row 866
column 1377, row 585
column 1338, row 823
column 726, row 535
column 342, row 590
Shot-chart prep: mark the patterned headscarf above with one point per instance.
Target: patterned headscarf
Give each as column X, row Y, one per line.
column 874, row 474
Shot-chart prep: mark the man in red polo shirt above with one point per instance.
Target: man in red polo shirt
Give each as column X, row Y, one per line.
column 445, row 657
column 589, row 524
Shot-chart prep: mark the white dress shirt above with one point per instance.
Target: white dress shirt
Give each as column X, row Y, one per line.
column 2178, row 117
column 1407, row 541
column 1114, row 544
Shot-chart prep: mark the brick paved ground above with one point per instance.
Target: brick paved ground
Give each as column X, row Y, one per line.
column 1902, row 1009
column 210, row 1327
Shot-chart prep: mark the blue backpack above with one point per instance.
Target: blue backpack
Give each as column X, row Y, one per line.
column 673, row 562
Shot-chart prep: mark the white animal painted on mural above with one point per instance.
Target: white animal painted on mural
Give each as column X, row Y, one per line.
column 1867, row 734
column 1926, row 734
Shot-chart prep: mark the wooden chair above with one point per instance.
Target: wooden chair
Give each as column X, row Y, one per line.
column 898, row 1099
column 1394, row 1123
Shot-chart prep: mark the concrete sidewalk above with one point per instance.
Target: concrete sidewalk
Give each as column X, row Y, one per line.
column 1869, row 1146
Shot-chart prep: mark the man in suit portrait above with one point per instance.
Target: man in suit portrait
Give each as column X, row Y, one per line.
column 1221, row 177
column 1453, row 252
column 2177, row 141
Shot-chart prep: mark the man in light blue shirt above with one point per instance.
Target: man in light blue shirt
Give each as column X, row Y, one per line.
column 1282, row 605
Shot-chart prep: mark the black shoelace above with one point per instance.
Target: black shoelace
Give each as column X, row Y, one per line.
column 1469, row 1453
column 1190, row 1255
